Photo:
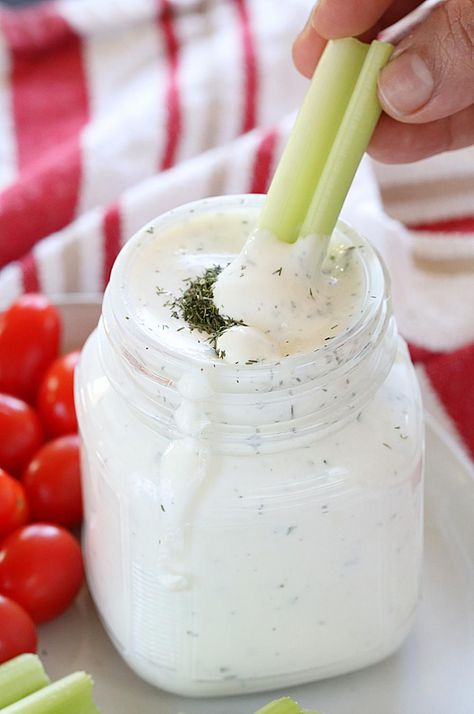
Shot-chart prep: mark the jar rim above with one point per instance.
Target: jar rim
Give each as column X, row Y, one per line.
column 130, row 330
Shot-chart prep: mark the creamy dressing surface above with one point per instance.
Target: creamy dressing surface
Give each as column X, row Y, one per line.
column 291, row 295
column 248, row 526
column 292, row 298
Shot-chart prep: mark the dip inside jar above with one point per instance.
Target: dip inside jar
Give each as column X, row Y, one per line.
column 253, row 520
column 277, row 299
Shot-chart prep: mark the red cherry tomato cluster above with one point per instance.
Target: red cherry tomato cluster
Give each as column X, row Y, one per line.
column 41, row 568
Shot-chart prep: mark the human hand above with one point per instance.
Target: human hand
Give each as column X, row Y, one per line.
column 426, row 90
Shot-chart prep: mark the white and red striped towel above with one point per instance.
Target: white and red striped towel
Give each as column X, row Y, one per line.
column 113, row 111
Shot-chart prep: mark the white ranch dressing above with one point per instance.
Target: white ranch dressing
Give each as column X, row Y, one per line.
column 233, row 543
column 290, row 299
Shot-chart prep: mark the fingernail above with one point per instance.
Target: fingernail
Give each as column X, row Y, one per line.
column 405, row 84
column 315, row 11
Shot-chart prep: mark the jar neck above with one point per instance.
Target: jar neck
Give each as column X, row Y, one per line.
column 183, row 395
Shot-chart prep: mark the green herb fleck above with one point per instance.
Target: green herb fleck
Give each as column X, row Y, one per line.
column 277, row 272
column 196, row 307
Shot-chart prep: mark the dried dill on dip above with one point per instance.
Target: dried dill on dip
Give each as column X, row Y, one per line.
column 196, row 307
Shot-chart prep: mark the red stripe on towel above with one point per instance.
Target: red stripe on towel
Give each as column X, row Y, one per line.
column 173, row 99
column 452, row 377
column 31, row 30
column 249, row 120
column 455, row 225
column 420, row 354
column 50, row 107
column 112, row 232
column 263, row 163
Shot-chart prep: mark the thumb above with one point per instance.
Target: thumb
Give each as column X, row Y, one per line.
column 431, row 73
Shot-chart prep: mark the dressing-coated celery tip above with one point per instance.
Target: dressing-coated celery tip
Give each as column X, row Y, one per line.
column 284, row 706
column 331, row 133
column 70, row 695
column 20, row 677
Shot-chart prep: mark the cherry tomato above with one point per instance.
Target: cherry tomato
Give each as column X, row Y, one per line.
column 56, row 396
column 29, row 341
column 21, row 434
column 41, row 568
column 17, row 630
column 53, row 482
column 13, row 505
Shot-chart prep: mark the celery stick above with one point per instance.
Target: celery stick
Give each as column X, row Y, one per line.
column 70, row 695
column 349, row 145
column 311, row 139
column 283, row 706
column 19, row 677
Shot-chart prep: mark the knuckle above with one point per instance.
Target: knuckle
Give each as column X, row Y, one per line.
column 459, row 22
column 450, row 51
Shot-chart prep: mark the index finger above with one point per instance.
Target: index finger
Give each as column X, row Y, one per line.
column 346, row 18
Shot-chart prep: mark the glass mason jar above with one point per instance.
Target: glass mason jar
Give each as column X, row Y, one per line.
column 256, row 526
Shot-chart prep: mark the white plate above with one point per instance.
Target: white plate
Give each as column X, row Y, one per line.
column 433, row 673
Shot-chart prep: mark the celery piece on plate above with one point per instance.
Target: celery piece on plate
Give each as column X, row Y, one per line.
column 283, row 706
column 315, row 129
column 70, row 695
column 19, row 677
